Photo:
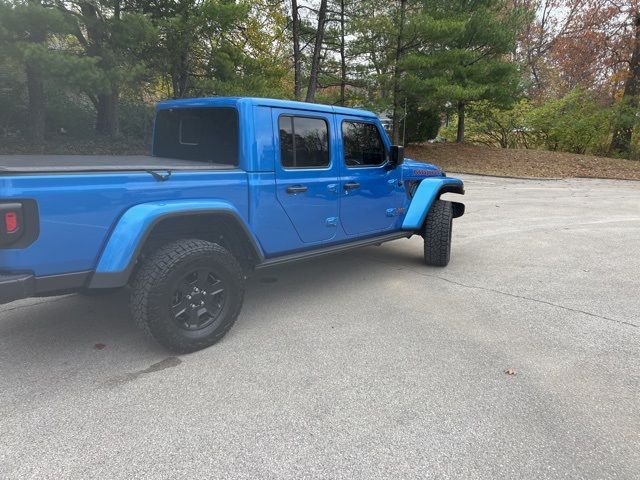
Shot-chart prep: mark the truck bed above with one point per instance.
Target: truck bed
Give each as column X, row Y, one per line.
column 98, row 163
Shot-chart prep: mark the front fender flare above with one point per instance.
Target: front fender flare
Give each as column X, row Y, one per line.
column 130, row 233
column 428, row 190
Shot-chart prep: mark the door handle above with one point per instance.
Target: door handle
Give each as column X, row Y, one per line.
column 296, row 189
column 351, row 185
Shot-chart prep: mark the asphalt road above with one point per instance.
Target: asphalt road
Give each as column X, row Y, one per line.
column 364, row 365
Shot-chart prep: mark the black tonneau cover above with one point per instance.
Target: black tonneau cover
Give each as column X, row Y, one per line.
column 99, row 163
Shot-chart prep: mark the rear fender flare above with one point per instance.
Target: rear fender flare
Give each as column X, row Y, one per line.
column 130, row 233
column 427, row 192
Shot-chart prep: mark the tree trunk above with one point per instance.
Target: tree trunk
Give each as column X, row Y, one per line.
column 36, row 109
column 343, row 60
column 621, row 142
column 317, row 50
column 107, row 116
column 460, row 134
column 98, row 45
column 180, row 79
column 297, row 67
column 397, row 73
column 35, row 87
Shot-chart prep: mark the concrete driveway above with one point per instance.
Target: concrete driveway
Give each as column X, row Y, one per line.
column 364, row 365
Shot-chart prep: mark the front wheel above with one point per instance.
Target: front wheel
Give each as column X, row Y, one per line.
column 437, row 234
column 187, row 294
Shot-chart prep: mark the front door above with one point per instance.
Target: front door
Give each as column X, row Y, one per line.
column 306, row 173
column 369, row 201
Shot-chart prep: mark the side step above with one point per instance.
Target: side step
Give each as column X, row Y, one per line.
column 292, row 257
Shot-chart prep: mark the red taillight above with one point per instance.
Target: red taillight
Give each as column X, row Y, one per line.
column 11, row 222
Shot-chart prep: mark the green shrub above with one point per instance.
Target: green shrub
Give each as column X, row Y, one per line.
column 68, row 115
column 422, row 124
column 13, row 99
column 574, row 123
column 504, row 128
column 136, row 119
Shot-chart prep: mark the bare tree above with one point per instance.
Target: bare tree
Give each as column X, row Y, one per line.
column 317, row 50
column 35, row 84
column 623, row 132
column 297, row 67
column 551, row 20
column 397, row 73
column 343, row 60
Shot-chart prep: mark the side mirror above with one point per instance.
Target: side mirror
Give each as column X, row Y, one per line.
column 397, row 156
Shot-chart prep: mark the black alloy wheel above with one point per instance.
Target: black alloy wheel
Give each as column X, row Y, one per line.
column 187, row 294
column 198, row 299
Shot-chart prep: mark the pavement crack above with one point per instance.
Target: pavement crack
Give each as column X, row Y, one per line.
column 532, row 299
column 507, row 294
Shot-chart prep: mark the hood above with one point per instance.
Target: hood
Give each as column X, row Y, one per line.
column 414, row 170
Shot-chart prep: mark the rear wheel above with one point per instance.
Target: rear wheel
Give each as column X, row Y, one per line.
column 437, row 234
column 187, row 294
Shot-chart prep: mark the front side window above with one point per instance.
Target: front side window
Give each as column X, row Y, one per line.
column 304, row 142
column 363, row 146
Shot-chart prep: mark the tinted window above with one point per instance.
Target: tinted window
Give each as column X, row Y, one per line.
column 285, row 125
column 203, row 134
column 190, row 131
column 362, row 144
column 304, row 142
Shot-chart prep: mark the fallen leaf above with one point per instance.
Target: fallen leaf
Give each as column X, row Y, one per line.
column 511, row 371
column 99, row 346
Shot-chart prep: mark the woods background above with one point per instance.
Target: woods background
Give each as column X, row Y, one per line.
column 561, row 75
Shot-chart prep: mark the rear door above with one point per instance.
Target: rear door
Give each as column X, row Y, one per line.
column 370, row 200
column 307, row 173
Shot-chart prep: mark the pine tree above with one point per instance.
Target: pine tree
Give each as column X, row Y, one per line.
column 463, row 54
column 27, row 31
column 119, row 41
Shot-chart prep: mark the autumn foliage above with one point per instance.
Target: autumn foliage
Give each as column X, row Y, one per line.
column 561, row 75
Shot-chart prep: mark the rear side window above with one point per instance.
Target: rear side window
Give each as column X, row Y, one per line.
column 207, row 135
column 304, row 142
column 363, row 146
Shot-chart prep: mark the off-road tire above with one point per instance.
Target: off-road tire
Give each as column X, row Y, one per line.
column 162, row 272
column 436, row 232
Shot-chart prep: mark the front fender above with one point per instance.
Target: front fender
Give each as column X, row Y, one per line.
column 428, row 190
column 127, row 238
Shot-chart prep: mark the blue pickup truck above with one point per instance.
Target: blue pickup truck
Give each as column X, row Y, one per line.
column 233, row 185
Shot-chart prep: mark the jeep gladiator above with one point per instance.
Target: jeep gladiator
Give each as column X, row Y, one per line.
column 232, row 185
